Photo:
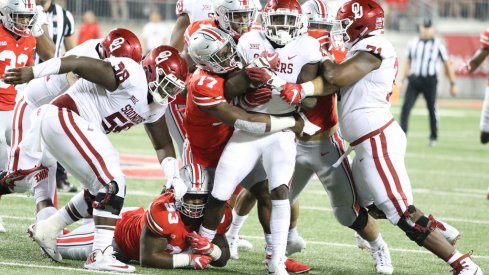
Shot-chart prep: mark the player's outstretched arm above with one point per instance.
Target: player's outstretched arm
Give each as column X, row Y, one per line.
column 176, row 39
column 93, row 70
column 236, row 84
column 160, row 138
column 253, row 123
column 477, row 59
column 152, row 250
column 351, row 70
column 222, row 243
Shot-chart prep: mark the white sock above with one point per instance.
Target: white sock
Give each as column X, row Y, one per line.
column 279, row 226
column 293, row 233
column 56, row 221
column 268, row 244
column 454, row 257
column 236, row 225
column 377, row 243
column 45, row 213
column 66, row 217
column 207, row 233
column 102, row 237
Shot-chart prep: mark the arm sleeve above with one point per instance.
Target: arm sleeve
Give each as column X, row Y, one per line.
column 209, row 91
column 181, row 7
column 443, row 52
column 69, row 24
column 484, row 39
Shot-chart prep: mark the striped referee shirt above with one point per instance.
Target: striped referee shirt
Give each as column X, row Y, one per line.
column 60, row 25
column 425, row 56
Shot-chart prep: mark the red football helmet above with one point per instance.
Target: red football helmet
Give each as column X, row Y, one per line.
column 166, row 72
column 282, row 20
column 122, row 43
column 358, row 18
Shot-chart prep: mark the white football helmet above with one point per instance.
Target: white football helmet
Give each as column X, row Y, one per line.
column 318, row 14
column 213, row 50
column 193, row 202
column 234, row 16
column 18, row 16
column 282, row 21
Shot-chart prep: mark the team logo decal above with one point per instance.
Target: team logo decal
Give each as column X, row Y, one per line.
column 116, row 44
column 357, row 10
column 163, row 56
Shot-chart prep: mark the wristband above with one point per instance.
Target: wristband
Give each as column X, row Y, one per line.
column 276, row 81
column 216, row 253
column 181, row 260
column 49, row 67
column 281, row 123
column 170, row 167
column 307, row 89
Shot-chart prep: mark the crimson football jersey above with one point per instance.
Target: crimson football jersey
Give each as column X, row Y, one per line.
column 162, row 219
column 207, row 135
column 13, row 54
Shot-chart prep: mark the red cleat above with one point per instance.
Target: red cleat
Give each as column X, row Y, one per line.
column 294, row 266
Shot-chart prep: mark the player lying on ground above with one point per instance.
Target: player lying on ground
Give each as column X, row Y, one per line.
column 111, row 96
column 160, row 236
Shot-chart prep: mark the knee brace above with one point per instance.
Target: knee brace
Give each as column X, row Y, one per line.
column 375, row 212
column 108, row 200
column 417, row 231
column 361, row 221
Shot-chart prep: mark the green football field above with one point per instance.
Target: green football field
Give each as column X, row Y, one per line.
column 449, row 181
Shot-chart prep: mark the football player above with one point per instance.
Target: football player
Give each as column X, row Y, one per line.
column 158, row 236
column 474, row 63
column 283, row 25
column 365, row 79
column 118, row 43
column 112, row 95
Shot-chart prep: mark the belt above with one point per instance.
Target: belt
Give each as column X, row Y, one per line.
column 371, row 134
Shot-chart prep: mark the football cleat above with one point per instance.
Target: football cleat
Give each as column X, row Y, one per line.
column 465, row 266
column 244, row 244
column 106, row 261
column 295, row 245
column 291, row 265
column 233, row 246
column 276, row 268
column 45, row 237
column 2, row 228
column 449, row 232
column 382, row 258
column 362, row 243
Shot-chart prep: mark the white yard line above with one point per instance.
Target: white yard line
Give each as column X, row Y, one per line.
column 354, row 246
column 57, row 267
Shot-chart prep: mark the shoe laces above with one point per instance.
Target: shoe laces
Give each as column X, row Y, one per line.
column 460, row 264
column 380, row 256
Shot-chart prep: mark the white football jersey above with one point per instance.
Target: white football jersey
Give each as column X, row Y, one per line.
column 42, row 90
column 117, row 110
column 293, row 56
column 364, row 106
column 195, row 9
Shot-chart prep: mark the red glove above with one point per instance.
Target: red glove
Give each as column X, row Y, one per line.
column 199, row 244
column 199, row 262
column 261, row 75
column 258, row 97
column 291, row 93
column 272, row 59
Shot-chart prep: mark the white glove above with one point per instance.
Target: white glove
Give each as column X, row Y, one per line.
column 37, row 30
column 179, row 187
column 170, row 168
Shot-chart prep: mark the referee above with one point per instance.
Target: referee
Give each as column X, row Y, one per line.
column 61, row 29
column 61, row 26
column 423, row 61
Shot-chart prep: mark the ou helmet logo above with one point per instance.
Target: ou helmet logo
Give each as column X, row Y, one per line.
column 357, row 9
column 163, row 56
column 116, row 44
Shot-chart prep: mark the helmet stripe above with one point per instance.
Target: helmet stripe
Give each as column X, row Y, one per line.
column 197, row 175
column 322, row 8
column 212, row 34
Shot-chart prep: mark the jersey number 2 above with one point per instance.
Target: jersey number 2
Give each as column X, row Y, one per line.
column 13, row 60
